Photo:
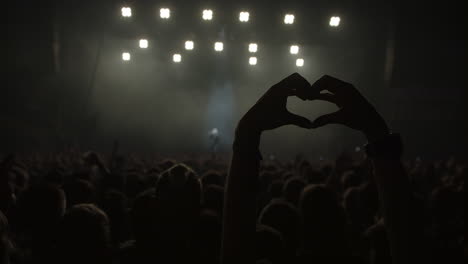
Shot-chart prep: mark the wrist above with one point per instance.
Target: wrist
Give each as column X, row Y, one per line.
column 376, row 132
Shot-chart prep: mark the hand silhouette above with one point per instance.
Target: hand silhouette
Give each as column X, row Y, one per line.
column 355, row 111
column 270, row 110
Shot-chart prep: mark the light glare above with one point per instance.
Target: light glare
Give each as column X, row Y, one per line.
column 300, row 62
column 294, row 49
column 253, row 47
column 189, row 45
column 218, row 46
column 244, row 16
column 177, row 58
column 207, row 14
column 143, row 43
column 125, row 56
column 253, row 60
column 126, row 11
column 165, row 13
column 289, row 19
column 335, row 21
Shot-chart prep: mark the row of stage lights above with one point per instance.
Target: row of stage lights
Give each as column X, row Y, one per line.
column 218, row 47
column 207, row 15
column 244, row 16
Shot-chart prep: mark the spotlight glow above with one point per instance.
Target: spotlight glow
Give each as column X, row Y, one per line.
column 143, row 43
column 177, row 58
column 207, row 14
column 289, row 19
column 126, row 11
column 253, row 47
column 253, row 60
column 335, row 21
column 189, row 45
column 244, row 16
column 294, row 49
column 126, row 56
column 165, row 13
column 218, row 46
column 300, row 62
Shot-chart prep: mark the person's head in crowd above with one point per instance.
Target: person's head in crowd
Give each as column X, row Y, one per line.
column 323, row 221
column 283, row 217
column 79, row 191
column 212, row 178
column 292, row 190
column 40, row 209
column 85, row 236
column 269, row 245
column 206, row 239
column 179, row 193
column 213, row 198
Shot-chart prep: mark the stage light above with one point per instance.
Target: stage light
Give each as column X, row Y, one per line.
column 300, row 62
column 177, row 58
column 244, row 16
column 143, row 43
column 253, row 47
column 207, row 14
column 289, row 19
column 165, row 13
column 126, row 56
column 126, row 11
column 335, row 21
column 218, row 46
column 189, row 45
column 253, row 60
column 294, row 49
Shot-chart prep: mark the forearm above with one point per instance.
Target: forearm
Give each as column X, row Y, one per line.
column 394, row 196
column 239, row 207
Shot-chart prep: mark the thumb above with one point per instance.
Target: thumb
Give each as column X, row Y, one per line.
column 298, row 120
column 333, row 118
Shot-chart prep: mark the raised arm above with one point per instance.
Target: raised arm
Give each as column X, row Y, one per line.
column 239, row 209
column 384, row 150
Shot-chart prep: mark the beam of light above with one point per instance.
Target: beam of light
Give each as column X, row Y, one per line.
column 253, row 47
column 253, row 60
column 165, row 13
column 126, row 11
column 143, row 43
column 189, row 45
column 300, row 62
column 289, row 19
column 207, row 14
column 218, row 46
column 126, row 56
column 177, row 58
column 335, row 21
column 294, row 49
column 244, row 16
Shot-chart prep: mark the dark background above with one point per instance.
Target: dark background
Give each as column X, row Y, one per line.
column 66, row 83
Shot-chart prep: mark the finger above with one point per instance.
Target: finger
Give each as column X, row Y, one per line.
column 294, row 84
column 333, row 118
column 330, row 83
column 293, row 119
